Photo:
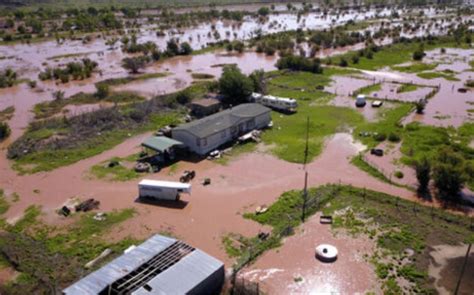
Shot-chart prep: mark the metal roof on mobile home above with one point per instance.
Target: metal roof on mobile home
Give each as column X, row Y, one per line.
column 188, row 272
column 223, row 120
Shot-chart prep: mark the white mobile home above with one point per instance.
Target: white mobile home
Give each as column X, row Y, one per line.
column 162, row 190
column 205, row 135
column 278, row 103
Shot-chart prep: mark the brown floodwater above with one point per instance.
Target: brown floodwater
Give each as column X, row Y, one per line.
column 235, row 189
column 445, row 268
column 294, row 269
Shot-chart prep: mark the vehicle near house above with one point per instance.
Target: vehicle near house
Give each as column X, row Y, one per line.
column 207, row 134
column 377, row 152
column 360, row 101
column 162, row 190
column 274, row 102
column 377, row 103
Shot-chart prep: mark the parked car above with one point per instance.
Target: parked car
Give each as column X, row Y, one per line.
column 360, row 101
column 377, row 103
column 377, row 152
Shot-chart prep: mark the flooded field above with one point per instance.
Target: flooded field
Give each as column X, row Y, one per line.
column 213, row 211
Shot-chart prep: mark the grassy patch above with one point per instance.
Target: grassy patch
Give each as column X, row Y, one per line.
column 359, row 162
column 7, row 113
column 289, row 131
column 4, row 205
column 201, row 76
column 434, row 75
column 407, row 88
column 122, row 171
column 49, row 108
column 47, row 256
column 129, row 79
column 47, row 160
column 370, row 89
column 70, row 55
column 236, row 150
column 415, row 67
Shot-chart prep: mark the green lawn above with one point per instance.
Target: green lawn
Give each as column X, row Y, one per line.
column 434, row 75
column 415, row 67
column 122, row 172
column 289, row 131
column 370, row 89
column 47, row 160
column 407, row 88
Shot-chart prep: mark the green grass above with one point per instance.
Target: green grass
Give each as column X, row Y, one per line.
column 435, row 75
column 49, row 108
column 7, row 113
column 407, row 88
column 415, row 67
column 359, row 162
column 119, row 172
column 47, row 160
column 236, row 151
column 4, row 205
column 133, row 78
column 396, row 54
column 388, row 122
column 370, row 89
column 70, row 55
column 289, row 131
column 387, row 219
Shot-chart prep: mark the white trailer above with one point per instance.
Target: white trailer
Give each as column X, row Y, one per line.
column 162, row 190
column 278, row 103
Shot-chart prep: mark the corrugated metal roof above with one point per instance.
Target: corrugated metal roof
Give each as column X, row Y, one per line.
column 223, row 120
column 184, row 276
column 160, row 143
column 119, row 267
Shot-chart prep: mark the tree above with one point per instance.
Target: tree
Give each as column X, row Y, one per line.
column 258, row 81
column 419, row 53
column 449, row 173
column 183, row 97
column 263, row 11
column 58, row 95
column 134, row 64
column 420, row 106
column 4, row 130
column 102, row 90
column 172, row 47
column 423, row 171
column 186, row 49
column 234, row 86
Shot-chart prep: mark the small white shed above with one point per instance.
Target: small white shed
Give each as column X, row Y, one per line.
column 162, row 190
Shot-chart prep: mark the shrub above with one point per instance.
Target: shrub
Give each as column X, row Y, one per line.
column 4, row 130
column 183, row 97
column 380, row 137
column 399, row 174
column 102, row 90
column 393, row 137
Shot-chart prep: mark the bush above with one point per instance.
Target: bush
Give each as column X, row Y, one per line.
column 7, row 78
column 300, row 63
column 380, row 137
column 399, row 174
column 4, row 130
column 183, row 97
column 102, row 90
column 393, row 137
column 423, row 172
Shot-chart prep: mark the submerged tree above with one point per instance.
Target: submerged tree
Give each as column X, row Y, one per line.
column 134, row 64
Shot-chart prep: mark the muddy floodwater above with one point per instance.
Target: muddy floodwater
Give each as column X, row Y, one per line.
column 294, row 269
column 445, row 268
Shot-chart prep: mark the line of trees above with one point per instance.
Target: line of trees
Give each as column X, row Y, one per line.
column 448, row 171
column 75, row 70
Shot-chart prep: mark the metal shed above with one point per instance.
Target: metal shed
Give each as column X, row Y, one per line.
column 161, row 144
column 161, row 265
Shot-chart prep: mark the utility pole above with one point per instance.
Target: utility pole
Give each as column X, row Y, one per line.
column 305, row 190
column 463, row 269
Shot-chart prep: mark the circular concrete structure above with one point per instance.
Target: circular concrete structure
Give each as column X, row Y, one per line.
column 326, row 253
